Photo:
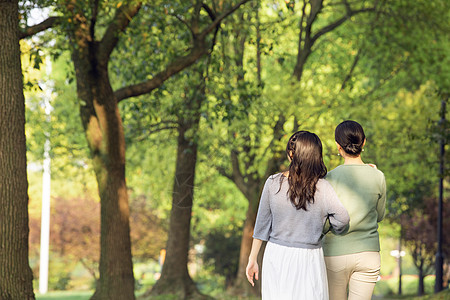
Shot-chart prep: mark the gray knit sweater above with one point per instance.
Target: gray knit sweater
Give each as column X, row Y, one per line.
column 278, row 221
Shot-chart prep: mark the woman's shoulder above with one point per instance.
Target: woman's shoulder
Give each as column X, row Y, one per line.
column 367, row 168
column 274, row 178
column 374, row 171
column 324, row 185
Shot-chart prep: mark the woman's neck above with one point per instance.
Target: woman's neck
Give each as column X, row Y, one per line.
column 349, row 160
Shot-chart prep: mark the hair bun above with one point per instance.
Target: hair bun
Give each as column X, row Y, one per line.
column 350, row 136
column 353, row 149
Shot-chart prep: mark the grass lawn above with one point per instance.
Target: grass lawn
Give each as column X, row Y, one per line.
column 74, row 295
column 65, row 295
column 444, row 295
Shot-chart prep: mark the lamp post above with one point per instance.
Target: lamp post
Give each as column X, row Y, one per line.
column 46, row 182
column 438, row 286
column 398, row 254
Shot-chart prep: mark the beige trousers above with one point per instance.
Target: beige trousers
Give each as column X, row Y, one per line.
column 356, row 273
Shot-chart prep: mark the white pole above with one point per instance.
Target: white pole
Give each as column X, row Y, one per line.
column 45, row 222
column 45, row 215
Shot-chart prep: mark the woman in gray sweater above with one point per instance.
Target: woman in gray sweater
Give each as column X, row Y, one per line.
column 293, row 208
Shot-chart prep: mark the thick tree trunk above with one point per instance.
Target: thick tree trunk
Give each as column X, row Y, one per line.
column 104, row 132
column 175, row 278
column 15, row 273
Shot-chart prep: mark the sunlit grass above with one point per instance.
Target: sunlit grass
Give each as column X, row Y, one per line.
column 65, row 295
column 76, row 295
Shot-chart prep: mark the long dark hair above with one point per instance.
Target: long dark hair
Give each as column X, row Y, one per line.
column 350, row 136
column 305, row 150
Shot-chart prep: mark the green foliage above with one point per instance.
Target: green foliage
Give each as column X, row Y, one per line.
column 222, row 252
column 409, row 117
column 400, row 75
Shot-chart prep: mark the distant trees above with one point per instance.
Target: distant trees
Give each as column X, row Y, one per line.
column 75, row 235
column 419, row 227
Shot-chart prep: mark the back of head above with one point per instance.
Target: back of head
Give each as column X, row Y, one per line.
column 350, row 136
column 305, row 151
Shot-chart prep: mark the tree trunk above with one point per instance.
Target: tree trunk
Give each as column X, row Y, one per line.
column 301, row 61
column 175, row 278
column 104, row 132
column 421, row 289
column 15, row 273
column 242, row 286
column 251, row 187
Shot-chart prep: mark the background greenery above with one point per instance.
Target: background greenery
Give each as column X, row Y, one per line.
column 387, row 70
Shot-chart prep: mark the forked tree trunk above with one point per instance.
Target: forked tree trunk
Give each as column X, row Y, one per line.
column 175, row 278
column 15, row 273
column 104, row 132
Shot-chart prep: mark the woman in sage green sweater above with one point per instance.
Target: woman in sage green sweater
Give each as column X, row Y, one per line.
column 353, row 259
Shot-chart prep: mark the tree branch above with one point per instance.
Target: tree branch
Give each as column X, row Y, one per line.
column 148, row 133
column 210, row 12
column 173, row 68
column 200, row 48
column 302, row 18
column 93, row 19
column 316, row 7
column 223, row 172
column 184, row 22
column 44, row 25
column 278, row 158
column 237, row 176
column 332, row 26
column 352, row 68
column 212, row 16
column 219, row 18
column 123, row 17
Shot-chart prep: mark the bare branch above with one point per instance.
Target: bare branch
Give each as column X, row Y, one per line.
column 44, row 25
column 123, row 17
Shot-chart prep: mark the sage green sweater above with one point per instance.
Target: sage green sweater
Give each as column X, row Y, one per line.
column 362, row 191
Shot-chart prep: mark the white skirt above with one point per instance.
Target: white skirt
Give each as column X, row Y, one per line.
column 290, row 273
